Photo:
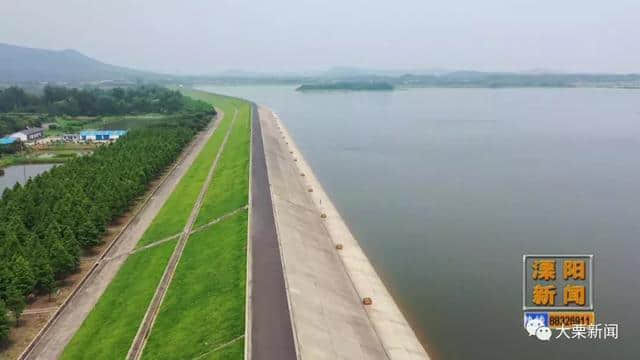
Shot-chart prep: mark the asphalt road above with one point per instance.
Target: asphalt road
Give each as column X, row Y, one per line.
column 271, row 333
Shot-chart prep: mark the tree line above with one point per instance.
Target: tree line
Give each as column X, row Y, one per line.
column 57, row 100
column 47, row 223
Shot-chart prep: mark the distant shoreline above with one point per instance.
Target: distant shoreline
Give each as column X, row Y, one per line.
column 346, row 86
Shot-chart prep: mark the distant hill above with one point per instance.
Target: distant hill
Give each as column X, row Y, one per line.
column 22, row 64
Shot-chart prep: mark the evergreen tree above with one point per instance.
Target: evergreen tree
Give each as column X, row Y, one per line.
column 4, row 323
column 6, row 281
column 61, row 261
column 71, row 245
column 42, row 270
column 15, row 302
column 87, row 233
column 24, row 280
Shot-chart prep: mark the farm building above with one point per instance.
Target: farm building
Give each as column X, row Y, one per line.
column 71, row 137
column 101, row 135
column 28, row 134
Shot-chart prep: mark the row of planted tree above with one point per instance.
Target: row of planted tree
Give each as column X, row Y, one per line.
column 46, row 224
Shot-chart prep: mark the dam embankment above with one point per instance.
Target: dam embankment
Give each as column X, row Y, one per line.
column 338, row 306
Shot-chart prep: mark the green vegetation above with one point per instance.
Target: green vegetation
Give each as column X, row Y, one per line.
column 174, row 214
column 204, row 307
column 19, row 159
column 71, row 110
column 50, row 154
column 229, row 189
column 95, row 340
column 347, row 85
column 57, row 100
column 117, row 338
column 112, row 324
column 4, row 321
column 234, row 350
column 10, row 123
column 45, row 223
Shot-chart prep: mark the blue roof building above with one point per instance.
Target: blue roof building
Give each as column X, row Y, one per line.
column 7, row 140
column 101, row 135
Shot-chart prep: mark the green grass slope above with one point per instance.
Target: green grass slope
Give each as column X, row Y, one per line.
column 174, row 214
column 229, row 189
column 109, row 329
column 204, row 307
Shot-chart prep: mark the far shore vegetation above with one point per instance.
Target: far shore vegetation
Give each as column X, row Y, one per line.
column 347, row 86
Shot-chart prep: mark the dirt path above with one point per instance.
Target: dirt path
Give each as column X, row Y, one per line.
column 40, row 310
column 53, row 338
column 137, row 347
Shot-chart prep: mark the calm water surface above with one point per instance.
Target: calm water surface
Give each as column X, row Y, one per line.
column 21, row 173
column 447, row 188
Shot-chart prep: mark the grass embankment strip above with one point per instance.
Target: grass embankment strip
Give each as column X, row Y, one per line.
column 204, row 306
column 230, row 185
column 108, row 330
column 174, row 214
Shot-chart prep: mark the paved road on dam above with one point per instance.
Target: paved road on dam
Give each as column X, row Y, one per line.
column 271, row 333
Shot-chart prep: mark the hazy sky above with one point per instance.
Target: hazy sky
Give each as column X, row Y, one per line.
column 204, row 36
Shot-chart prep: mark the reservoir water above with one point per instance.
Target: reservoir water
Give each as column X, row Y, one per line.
column 20, row 174
column 446, row 189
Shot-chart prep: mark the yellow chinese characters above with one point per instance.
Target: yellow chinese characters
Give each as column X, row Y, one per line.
column 544, row 270
column 544, row 295
column 546, row 274
column 574, row 294
column 574, row 269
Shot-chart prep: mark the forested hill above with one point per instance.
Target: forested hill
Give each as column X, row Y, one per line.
column 21, row 64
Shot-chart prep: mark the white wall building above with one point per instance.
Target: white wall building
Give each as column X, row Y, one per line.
column 28, row 134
